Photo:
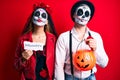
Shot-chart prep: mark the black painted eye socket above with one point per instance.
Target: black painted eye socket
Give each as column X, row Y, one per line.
column 80, row 12
column 43, row 15
column 87, row 13
column 37, row 14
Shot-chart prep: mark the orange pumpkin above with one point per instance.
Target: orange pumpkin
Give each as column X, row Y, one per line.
column 84, row 60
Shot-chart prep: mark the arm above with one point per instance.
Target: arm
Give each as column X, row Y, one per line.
column 101, row 56
column 60, row 58
column 19, row 62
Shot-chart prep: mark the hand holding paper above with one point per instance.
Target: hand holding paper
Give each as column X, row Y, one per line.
column 33, row 46
column 27, row 54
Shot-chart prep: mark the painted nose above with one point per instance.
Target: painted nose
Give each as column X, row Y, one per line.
column 83, row 16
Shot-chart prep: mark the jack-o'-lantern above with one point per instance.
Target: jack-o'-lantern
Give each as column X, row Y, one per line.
column 84, row 60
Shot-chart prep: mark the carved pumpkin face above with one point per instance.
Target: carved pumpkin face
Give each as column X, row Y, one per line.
column 84, row 60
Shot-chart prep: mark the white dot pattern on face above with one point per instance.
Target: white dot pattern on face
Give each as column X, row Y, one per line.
column 42, row 13
column 83, row 10
column 82, row 14
column 40, row 17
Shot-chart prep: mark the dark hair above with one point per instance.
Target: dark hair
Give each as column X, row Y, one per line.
column 79, row 3
column 29, row 26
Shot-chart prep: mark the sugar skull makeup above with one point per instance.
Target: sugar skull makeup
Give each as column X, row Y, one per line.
column 40, row 17
column 83, row 14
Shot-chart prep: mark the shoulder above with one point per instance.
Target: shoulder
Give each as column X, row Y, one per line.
column 26, row 36
column 48, row 34
column 95, row 35
column 64, row 34
column 63, row 37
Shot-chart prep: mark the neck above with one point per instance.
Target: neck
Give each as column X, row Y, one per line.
column 80, row 28
column 39, row 30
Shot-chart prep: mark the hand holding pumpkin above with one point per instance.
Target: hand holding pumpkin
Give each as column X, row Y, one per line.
column 84, row 60
column 91, row 42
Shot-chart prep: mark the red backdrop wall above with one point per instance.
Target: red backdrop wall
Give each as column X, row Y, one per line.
column 14, row 13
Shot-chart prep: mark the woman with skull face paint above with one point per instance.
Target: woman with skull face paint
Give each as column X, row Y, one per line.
column 37, row 64
column 81, row 13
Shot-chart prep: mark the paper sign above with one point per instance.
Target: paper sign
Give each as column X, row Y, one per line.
column 33, row 46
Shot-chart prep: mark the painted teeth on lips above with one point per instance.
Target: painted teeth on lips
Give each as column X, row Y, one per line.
column 81, row 19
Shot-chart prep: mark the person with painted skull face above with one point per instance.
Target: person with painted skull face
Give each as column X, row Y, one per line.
column 70, row 42
column 37, row 64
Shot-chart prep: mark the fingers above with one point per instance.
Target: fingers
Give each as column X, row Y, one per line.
column 30, row 52
column 27, row 54
column 91, row 43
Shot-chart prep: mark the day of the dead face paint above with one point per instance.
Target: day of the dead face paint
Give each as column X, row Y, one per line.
column 40, row 17
column 82, row 14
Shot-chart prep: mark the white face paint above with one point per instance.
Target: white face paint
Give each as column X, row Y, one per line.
column 40, row 17
column 82, row 14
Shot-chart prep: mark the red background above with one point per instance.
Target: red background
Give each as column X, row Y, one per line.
column 14, row 13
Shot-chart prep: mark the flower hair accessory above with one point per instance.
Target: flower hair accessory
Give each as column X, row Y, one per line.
column 42, row 5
